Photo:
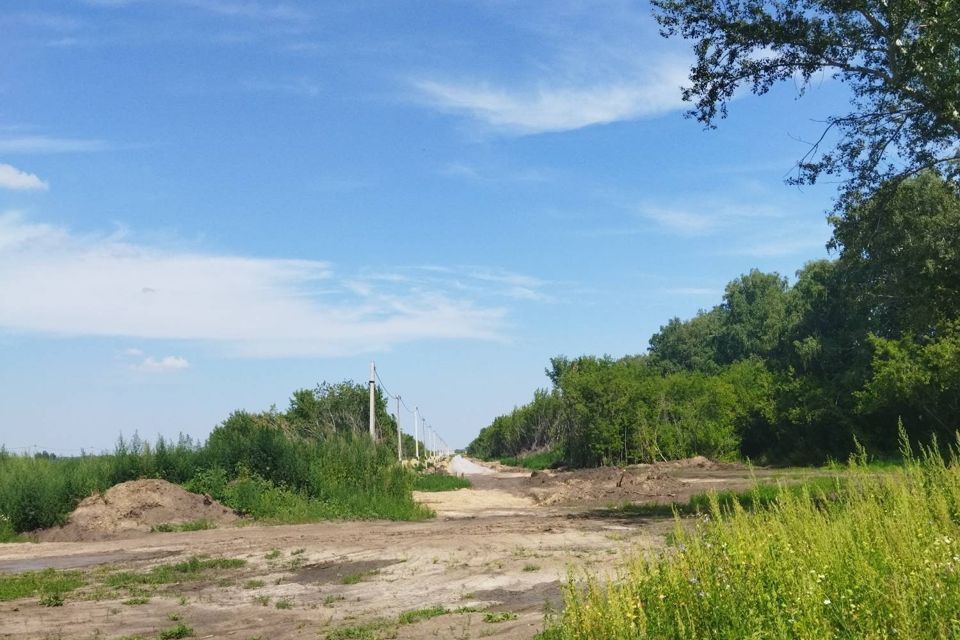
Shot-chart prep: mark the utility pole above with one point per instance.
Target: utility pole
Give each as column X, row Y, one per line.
column 399, row 434
column 416, row 430
column 373, row 401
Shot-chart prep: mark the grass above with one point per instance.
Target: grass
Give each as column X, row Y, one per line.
column 354, row 578
column 416, row 615
column 763, row 495
column 534, row 461
column 439, row 482
column 499, row 616
column 193, row 525
column 253, row 584
column 880, row 558
column 368, row 631
column 272, row 477
column 137, row 600
column 284, row 603
column 172, row 633
column 194, row 568
column 529, row 568
column 45, row 583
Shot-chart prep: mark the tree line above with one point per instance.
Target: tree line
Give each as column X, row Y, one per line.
column 781, row 372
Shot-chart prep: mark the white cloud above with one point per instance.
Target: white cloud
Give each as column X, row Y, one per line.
column 253, row 9
column 477, row 281
column 13, row 178
column 61, row 283
column 47, row 144
column 705, row 216
column 166, row 364
column 562, row 106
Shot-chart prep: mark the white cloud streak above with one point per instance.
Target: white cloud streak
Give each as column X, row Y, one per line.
column 166, row 364
column 50, row 145
column 59, row 283
column 17, row 180
column 561, row 107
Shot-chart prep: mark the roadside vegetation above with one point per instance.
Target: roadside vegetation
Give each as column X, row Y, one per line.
column 439, row 482
column 879, row 559
column 778, row 372
column 313, row 461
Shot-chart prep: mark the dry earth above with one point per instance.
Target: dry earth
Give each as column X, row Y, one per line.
column 502, row 547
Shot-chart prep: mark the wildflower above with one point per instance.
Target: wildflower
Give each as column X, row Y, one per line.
column 826, row 601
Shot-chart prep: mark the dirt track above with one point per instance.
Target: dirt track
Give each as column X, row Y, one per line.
column 504, row 546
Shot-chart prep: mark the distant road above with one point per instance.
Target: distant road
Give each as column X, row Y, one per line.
column 461, row 466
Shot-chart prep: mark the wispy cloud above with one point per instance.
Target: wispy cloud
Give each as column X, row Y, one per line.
column 560, row 106
column 494, row 175
column 250, row 9
column 705, row 216
column 61, row 283
column 166, row 364
column 15, row 179
column 33, row 144
column 254, row 9
column 478, row 281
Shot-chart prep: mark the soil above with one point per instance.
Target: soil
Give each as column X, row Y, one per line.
column 133, row 508
column 507, row 544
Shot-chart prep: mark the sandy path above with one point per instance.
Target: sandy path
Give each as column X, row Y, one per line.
column 461, row 466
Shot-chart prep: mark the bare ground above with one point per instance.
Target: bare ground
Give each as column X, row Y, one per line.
column 504, row 546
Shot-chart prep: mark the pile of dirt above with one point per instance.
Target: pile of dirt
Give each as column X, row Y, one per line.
column 663, row 482
column 133, row 508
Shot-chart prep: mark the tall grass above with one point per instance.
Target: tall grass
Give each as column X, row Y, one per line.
column 247, row 463
column 882, row 562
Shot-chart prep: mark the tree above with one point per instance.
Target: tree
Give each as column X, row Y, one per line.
column 901, row 248
column 900, row 58
column 688, row 345
column 753, row 316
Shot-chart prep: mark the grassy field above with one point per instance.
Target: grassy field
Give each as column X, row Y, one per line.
column 876, row 556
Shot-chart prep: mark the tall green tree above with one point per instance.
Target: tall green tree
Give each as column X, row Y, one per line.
column 900, row 59
column 902, row 249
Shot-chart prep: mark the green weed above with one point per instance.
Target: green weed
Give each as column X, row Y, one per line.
column 439, row 482
column 499, row 616
column 48, row 581
column 172, row 633
column 416, row 615
column 194, row 568
column 375, row 630
column 875, row 557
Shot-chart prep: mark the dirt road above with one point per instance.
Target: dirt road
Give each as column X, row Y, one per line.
column 493, row 559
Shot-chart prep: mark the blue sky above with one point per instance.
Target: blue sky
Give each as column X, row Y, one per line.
column 206, row 204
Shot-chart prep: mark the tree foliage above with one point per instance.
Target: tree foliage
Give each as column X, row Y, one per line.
column 900, row 59
column 778, row 372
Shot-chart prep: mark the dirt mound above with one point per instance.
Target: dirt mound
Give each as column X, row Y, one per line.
column 662, row 482
column 132, row 508
column 698, row 462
